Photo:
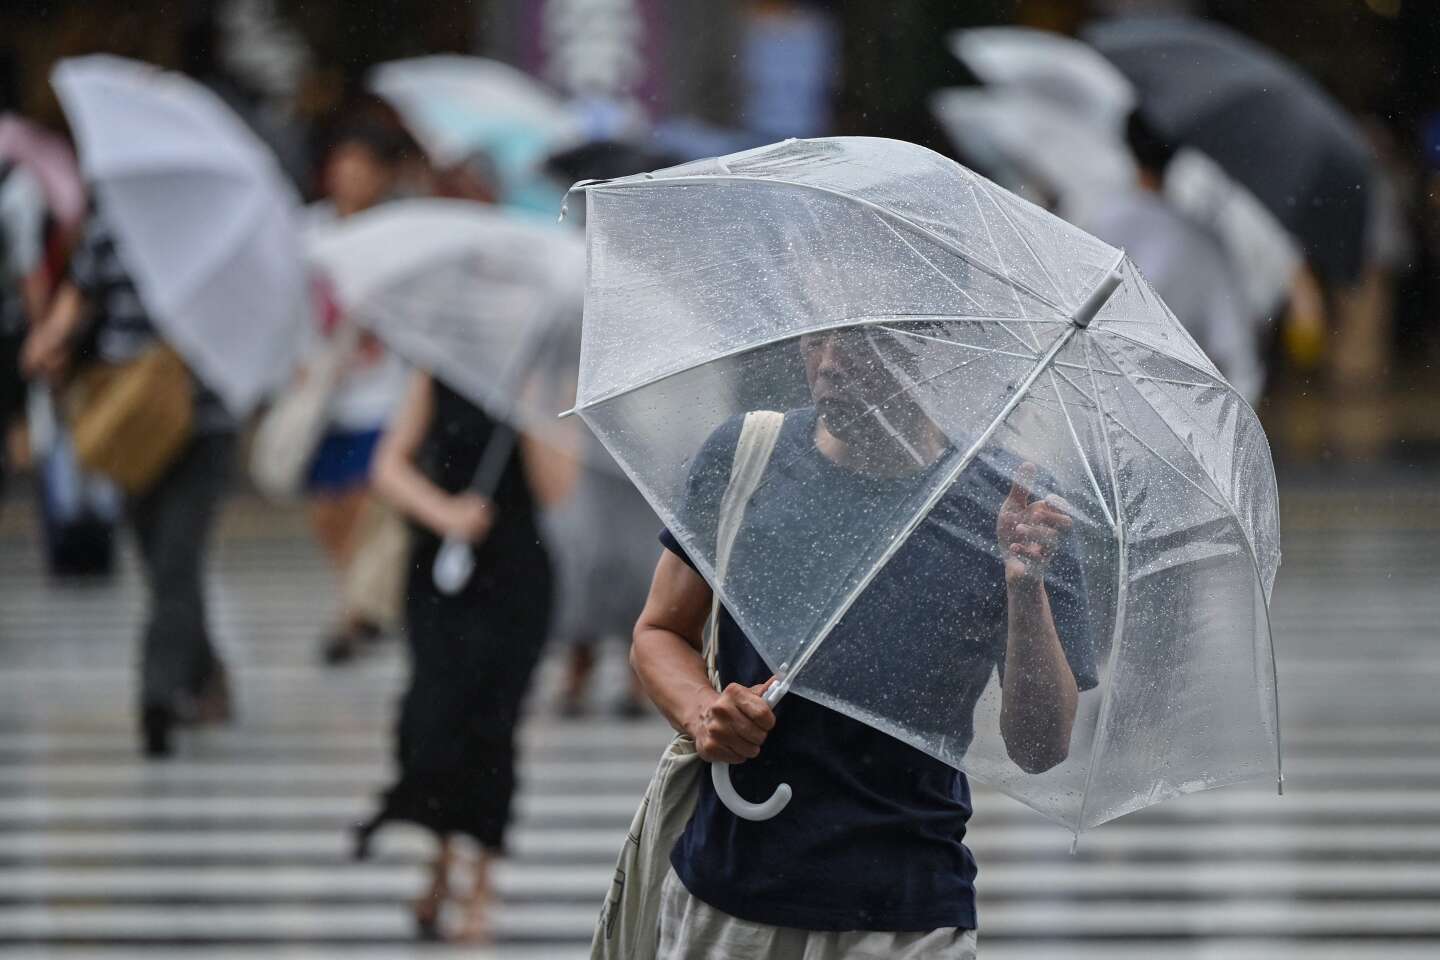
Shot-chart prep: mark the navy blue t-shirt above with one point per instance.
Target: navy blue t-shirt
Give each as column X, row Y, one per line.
column 874, row 837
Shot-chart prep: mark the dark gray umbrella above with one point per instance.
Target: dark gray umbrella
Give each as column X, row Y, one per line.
column 1268, row 124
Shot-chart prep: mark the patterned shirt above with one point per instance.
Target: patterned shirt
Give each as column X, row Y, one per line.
column 121, row 328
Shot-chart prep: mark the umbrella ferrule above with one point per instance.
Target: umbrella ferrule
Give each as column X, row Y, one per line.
column 1082, row 317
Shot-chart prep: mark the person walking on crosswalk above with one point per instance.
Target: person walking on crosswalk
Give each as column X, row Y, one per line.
column 472, row 652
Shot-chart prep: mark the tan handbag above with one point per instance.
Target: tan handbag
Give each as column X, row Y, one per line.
column 130, row 421
column 629, row 924
column 289, row 432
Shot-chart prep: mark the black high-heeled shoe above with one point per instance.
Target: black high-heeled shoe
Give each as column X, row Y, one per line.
column 156, row 724
column 361, row 834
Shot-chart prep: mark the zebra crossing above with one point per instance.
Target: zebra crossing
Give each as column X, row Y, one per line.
column 238, row 848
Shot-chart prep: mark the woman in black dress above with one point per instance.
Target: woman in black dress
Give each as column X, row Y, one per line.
column 473, row 653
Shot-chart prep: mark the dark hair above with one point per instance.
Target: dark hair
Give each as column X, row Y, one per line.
column 1151, row 148
column 388, row 145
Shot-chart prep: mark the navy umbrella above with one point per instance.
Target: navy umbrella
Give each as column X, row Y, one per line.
column 1269, row 125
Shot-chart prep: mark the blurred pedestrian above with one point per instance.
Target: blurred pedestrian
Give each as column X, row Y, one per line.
column 604, row 570
column 98, row 322
column 472, row 652
column 22, row 284
column 360, row 171
column 1185, row 262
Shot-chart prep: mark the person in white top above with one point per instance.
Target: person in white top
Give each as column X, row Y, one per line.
column 360, row 171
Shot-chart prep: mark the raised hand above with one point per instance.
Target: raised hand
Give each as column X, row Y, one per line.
column 1028, row 529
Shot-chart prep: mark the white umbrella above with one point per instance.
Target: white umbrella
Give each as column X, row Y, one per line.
column 205, row 220
column 1264, row 254
column 484, row 301
column 1052, row 67
column 1027, row 139
column 457, row 105
column 461, row 290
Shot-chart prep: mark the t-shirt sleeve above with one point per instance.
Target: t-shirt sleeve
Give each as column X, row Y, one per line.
column 705, row 483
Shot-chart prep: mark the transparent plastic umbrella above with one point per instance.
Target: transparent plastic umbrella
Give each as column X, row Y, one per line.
column 926, row 335
column 207, row 223
column 484, row 301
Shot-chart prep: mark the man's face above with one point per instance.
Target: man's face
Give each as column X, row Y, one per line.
column 846, row 377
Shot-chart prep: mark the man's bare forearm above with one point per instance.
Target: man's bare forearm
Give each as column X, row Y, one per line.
column 673, row 674
column 1037, row 706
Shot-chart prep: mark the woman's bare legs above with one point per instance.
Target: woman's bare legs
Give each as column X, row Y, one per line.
column 335, row 521
column 427, row 907
column 475, row 907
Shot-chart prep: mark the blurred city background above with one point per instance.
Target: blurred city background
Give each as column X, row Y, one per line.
column 237, row 845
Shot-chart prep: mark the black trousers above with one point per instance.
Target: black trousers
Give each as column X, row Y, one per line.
column 172, row 523
column 12, row 390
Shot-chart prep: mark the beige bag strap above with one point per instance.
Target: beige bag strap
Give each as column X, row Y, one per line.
column 752, row 453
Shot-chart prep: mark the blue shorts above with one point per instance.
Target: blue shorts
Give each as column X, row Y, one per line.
column 342, row 463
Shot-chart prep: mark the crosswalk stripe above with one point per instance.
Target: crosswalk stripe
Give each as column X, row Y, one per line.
column 238, row 848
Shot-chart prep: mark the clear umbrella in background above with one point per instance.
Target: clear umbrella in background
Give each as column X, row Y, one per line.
column 1269, row 125
column 51, row 161
column 981, row 333
column 1091, row 93
column 204, row 215
column 1022, row 138
column 1264, row 255
column 480, row 299
column 1052, row 68
column 457, row 106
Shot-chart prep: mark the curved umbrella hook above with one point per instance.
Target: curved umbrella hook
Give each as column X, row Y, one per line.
column 725, row 790
column 738, row 805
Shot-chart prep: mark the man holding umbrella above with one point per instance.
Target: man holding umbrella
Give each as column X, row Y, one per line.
column 877, row 866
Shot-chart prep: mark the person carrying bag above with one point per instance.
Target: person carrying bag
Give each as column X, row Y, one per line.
column 629, row 922
column 130, row 421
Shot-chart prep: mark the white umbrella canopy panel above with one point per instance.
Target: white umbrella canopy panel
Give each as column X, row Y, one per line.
column 1051, row 67
column 983, row 326
column 484, row 300
column 1028, row 139
column 205, row 219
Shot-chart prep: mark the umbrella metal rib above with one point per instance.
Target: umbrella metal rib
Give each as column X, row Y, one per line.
column 1122, row 577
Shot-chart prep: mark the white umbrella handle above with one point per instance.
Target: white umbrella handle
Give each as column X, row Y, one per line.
column 453, row 565
column 738, row 805
column 725, row 790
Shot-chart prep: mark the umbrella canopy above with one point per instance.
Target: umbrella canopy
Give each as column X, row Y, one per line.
column 925, row 334
column 458, row 105
column 49, row 158
column 1050, row 67
column 206, row 222
column 486, row 302
column 1264, row 254
column 1270, row 126
column 1023, row 139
